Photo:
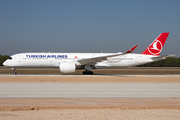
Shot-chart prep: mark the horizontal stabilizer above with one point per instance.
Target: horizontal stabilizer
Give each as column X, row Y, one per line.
column 162, row 57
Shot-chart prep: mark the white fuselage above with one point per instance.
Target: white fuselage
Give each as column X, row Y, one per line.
column 54, row 59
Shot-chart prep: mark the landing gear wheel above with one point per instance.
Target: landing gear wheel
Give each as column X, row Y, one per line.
column 87, row 73
column 84, row 72
column 14, row 73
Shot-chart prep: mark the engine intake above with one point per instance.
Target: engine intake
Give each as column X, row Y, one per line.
column 67, row 67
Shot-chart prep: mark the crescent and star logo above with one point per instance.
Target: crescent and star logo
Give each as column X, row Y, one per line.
column 155, row 48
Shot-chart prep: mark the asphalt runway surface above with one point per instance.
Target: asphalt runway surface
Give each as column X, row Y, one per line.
column 35, row 92
column 89, row 90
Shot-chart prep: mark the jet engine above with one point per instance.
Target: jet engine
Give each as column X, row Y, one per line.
column 67, row 67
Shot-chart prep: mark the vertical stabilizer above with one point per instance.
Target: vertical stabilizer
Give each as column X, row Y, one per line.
column 156, row 46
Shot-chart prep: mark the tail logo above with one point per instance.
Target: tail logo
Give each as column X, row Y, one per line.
column 155, row 48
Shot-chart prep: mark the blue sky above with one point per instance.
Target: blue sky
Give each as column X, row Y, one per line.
column 87, row 25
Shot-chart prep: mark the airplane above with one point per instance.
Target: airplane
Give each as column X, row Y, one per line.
column 70, row 62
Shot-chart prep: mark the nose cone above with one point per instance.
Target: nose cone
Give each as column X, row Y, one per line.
column 5, row 63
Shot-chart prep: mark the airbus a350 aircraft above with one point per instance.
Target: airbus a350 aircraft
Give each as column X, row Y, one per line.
column 70, row 62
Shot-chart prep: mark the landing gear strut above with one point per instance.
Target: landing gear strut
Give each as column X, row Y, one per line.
column 14, row 73
column 87, row 72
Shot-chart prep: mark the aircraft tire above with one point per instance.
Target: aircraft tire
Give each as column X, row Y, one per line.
column 14, row 73
column 87, row 72
column 84, row 72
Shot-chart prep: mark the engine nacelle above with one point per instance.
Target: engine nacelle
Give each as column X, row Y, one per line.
column 67, row 67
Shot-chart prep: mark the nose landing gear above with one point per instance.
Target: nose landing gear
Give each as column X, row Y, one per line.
column 14, row 71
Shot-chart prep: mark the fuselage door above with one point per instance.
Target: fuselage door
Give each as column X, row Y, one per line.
column 19, row 58
column 136, row 59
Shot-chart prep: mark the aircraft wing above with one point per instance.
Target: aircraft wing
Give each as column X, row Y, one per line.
column 94, row 60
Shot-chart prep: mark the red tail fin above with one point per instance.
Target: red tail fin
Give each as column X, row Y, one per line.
column 156, row 46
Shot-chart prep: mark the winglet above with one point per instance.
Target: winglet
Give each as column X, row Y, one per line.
column 132, row 49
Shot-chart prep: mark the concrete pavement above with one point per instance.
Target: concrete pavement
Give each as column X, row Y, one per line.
column 89, row 90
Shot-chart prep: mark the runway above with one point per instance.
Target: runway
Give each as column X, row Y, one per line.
column 27, row 92
column 110, row 75
column 89, row 90
column 89, row 86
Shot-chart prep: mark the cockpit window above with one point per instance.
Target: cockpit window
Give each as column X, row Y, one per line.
column 10, row 58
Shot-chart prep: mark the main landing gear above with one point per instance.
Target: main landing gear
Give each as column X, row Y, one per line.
column 87, row 68
column 87, row 72
column 14, row 69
